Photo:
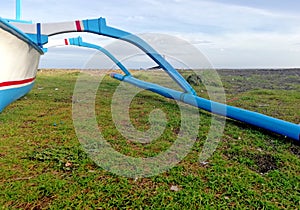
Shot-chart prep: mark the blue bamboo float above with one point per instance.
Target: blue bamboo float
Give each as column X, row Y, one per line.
column 275, row 125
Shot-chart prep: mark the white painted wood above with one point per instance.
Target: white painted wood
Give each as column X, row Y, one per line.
column 18, row 60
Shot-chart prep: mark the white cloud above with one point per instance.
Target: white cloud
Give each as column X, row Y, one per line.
column 251, row 50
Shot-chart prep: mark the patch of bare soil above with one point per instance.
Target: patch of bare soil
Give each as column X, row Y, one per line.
column 265, row 163
column 261, row 163
column 295, row 149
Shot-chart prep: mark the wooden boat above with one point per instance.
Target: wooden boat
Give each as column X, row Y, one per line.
column 19, row 58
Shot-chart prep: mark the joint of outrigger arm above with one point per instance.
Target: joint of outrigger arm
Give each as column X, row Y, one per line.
column 75, row 41
column 94, row 25
column 38, row 34
column 38, row 37
column 119, row 77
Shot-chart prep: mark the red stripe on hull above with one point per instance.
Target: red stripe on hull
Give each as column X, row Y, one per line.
column 66, row 42
column 78, row 26
column 19, row 82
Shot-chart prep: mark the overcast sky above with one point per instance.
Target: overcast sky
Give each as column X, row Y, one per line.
column 230, row 33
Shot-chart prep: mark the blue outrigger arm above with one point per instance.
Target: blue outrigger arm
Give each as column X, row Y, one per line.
column 40, row 32
column 78, row 42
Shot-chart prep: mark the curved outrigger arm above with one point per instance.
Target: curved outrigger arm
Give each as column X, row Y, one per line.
column 275, row 125
column 78, row 42
column 39, row 33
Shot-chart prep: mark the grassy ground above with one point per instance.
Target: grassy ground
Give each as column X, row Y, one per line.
column 44, row 166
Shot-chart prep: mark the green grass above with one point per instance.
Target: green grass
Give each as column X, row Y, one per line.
column 44, row 166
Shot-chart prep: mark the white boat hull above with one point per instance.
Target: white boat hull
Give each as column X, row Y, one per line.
column 19, row 59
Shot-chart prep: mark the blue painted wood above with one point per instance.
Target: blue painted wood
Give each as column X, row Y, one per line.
column 275, row 125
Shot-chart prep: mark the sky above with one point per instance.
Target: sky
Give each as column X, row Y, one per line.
column 229, row 33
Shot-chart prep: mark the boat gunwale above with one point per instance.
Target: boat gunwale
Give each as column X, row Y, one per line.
column 4, row 24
